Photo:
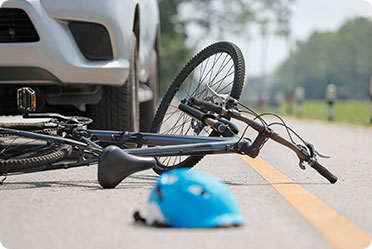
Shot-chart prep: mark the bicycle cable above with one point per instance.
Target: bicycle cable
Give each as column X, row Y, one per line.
column 289, row 130
column 253, row 113
column 282, row 123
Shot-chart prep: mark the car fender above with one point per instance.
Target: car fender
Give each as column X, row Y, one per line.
column 149, row 31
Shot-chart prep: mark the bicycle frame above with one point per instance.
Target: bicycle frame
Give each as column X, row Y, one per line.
column 171, row 145
column 159, row 145
column 166, row 145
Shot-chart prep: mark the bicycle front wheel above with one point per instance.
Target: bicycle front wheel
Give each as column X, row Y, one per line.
column 221, row 66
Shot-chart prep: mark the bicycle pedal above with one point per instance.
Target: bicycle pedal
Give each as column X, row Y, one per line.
column 26, row 99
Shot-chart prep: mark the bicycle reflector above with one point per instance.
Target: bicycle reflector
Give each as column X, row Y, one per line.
column 26, row 99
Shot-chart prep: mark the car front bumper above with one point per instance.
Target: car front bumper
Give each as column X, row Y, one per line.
column 56, row 58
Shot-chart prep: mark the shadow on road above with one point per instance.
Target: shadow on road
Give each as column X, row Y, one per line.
column 131, row 182
column 135, row 181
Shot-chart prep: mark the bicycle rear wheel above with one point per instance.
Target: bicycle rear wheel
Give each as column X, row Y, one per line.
column 19, row 153
column 221, row 66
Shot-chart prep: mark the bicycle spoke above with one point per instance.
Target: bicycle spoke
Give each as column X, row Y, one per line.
column 202, row 80
column 13, row 147
column 229, row 84
column 217, row 70
column 222, row 66
column 178, row 111
column 223, row 79
column 175, row 126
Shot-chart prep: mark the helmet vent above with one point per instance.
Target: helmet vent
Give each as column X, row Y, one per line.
column 169, row 179
column 198, row 190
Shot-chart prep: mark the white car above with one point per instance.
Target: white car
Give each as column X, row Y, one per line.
column 99, row 55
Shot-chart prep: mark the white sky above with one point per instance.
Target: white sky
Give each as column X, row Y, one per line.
column 308, row 16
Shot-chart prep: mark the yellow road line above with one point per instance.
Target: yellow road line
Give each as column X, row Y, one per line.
column 338, row 230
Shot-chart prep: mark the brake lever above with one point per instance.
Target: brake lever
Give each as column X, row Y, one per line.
column 224, row 97
column 321, row 155
column 315, row 153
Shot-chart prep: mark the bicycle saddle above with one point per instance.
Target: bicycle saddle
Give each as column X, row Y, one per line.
column 114, row 165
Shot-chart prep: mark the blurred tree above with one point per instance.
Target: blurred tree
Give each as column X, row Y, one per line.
column 343, row 58
column 173, row 51
column 222, row 18
column 217, row 19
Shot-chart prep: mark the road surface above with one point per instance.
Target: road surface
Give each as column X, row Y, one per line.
column 287, row 208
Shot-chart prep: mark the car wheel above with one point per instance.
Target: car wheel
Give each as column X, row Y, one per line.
column 148, row 108
column 119, row 106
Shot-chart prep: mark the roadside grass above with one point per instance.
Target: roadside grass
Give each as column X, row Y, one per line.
column 348, row 112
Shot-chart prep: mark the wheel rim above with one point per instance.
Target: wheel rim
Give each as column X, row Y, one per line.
column 218, row 70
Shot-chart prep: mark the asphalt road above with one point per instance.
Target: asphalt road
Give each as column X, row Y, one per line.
column 68, row 209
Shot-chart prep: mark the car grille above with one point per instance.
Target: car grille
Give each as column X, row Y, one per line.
column 16, row 26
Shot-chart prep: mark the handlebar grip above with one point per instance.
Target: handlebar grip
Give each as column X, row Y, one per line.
column 207, row 105
column 323, row 171
column 191, row 111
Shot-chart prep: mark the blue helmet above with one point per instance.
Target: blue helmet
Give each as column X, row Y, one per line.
column 192, row 199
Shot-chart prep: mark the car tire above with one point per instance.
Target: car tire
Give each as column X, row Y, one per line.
column 148, row 108
column 119, row 106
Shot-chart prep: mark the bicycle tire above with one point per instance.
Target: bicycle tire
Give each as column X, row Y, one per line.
column 13, row 155
column 23, row 125
column 209, row 53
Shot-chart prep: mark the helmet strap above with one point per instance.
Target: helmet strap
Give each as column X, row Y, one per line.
column 138, row 219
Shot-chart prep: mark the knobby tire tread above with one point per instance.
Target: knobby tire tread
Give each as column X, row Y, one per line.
column 9, row 166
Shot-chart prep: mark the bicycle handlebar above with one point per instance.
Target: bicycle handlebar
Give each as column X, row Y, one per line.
column 323, row 171
column 304, row 153
column 195, row 113
column 208, row 106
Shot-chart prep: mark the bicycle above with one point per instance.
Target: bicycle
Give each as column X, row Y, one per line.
column 194, row 118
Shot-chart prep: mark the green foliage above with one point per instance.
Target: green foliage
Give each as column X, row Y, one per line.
column 343, row 58
column 348, row 112
column 173, row 56
column 173, row 51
